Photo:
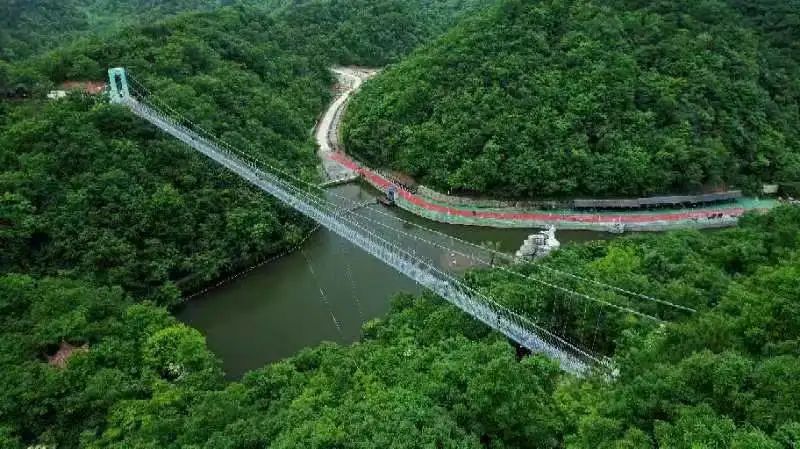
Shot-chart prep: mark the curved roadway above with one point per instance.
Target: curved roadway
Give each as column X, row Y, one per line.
column 340, row 167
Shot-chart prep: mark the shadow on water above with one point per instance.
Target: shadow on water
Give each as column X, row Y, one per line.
column 297, row 301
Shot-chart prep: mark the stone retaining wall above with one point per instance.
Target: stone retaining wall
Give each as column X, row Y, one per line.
column 601, row 226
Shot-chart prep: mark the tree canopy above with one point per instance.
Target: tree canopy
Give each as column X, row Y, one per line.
column 104, row 220
column 383, row 30
column 29, row 26
column 95, row 192
column 90, row 191
column 562, row 98
column 427, row 374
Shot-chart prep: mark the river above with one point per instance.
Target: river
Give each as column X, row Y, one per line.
column 297, row 301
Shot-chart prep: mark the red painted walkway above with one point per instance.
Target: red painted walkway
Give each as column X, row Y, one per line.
column 383, row 184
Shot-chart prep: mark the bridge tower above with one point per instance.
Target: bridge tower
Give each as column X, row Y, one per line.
column 118, row 82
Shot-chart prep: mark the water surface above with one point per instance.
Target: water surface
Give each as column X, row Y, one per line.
column 323, row 293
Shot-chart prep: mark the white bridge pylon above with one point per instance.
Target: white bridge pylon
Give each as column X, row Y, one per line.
column 518, row 328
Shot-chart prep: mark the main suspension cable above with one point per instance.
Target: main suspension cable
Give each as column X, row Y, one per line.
column 469, row 256
column 336, row 210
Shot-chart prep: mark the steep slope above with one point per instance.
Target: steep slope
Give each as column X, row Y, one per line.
column 27, row 27
column 584, row 97
column 429, row 376
column 371, row 32
column 88, row 191
column 31, row 25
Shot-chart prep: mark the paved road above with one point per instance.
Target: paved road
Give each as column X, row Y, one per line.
column 338, row 166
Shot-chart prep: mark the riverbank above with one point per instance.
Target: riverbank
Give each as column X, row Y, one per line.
column 339, row 166
column 275, row 309
column 241, row 272
column 700, row 218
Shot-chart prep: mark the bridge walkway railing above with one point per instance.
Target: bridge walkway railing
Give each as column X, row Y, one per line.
column 514, row 326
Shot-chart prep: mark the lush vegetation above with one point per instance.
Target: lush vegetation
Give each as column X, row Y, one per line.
column 383, row 30
column 563, row 98
column 367, row 32
column 428, row 375
column 91, row 192
column 105, row 221
column 691, row 269
column 28, row 26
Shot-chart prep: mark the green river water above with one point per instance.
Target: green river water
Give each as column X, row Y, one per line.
column 289, row 304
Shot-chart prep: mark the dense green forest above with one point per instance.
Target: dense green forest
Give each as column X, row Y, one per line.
column 380, row 29
column 368, row 32
column 104, row 221
column 28, row 26
column 562, row 98
column 94, row 192
column 365, row 32
column 90, row 191
column 428, row 375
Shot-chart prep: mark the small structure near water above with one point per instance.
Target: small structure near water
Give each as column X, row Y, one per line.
column 538, row 245
column 389, row 199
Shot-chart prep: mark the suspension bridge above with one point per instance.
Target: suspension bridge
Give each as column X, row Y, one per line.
column 428, row 258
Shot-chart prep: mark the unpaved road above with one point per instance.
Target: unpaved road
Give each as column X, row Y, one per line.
column 326, row 134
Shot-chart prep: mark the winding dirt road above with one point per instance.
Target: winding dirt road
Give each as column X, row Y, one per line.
column 326, row 134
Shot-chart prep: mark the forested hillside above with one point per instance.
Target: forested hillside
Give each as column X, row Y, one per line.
column 564, row 98
column 28, row 26
column 345, row 29
column 89, row 191
column 365, row 32
column 103, row 220
column 93, row 192
column 428, row 375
